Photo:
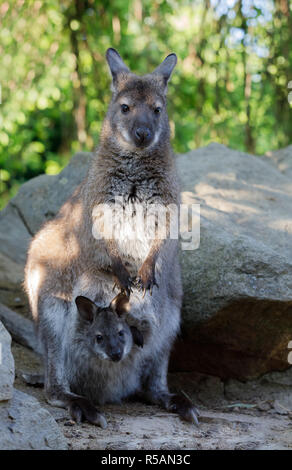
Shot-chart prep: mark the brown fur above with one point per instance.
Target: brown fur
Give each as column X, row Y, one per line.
column 134, row 161
column 65, row 247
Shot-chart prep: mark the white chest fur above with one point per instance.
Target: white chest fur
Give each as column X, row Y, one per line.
column 131, row 225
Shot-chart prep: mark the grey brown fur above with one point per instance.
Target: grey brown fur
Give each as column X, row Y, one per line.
column 135, row 162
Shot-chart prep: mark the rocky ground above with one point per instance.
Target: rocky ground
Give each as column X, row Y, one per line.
column 262, row 420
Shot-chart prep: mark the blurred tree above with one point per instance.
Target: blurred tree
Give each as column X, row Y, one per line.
column 230, row 85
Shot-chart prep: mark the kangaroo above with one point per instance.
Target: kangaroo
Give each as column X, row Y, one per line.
column 99, row 363
column 76, row 254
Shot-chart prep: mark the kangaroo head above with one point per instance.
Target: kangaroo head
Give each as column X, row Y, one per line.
column 104, row 331
column 137, row 116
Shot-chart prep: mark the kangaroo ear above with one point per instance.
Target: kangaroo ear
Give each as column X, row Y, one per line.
column 116, row 64
column 120, row 304
column 137, row 336
column 165, row 69
column 86, row 308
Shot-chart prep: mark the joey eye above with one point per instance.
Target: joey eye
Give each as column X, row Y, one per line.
column 125, row 108
column 157, row 110
column 98, row 338
column 121, row 333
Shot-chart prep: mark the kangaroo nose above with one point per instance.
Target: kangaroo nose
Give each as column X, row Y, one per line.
column 116, row 356
column 143, row 134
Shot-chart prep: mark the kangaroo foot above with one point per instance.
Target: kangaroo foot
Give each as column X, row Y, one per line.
column 184, row 407
column 82, row 410
column 178, row 403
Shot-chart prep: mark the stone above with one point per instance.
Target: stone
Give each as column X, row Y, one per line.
column 14, row 236
column 25, row 425
column 6, row 365
column 39, row 199
column 273, row 387
column 281, row 159
column 237, row 311
column 11, row 272
column 21, row 329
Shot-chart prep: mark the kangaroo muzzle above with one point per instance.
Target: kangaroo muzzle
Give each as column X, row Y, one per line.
column 143, row 136
column 116, row 356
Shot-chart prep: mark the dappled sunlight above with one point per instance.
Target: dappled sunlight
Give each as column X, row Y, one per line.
column 284, row 225
column 243, row 197
column 188, row 197
column 285, row 190
column 231, row 207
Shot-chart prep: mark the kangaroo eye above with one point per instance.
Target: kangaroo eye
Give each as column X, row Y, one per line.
column 121, row 333
column 157, row 110
column 125, row 108
column 98, row 338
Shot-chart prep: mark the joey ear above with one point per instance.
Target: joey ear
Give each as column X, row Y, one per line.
column 120, row 304
column 86, row 308
column 165, row 69
column 137, row 336
column 116, row 64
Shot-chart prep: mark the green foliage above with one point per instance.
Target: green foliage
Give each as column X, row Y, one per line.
column 230, row 85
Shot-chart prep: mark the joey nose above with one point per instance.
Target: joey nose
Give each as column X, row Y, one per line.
column 143, row 135
column 116, row 356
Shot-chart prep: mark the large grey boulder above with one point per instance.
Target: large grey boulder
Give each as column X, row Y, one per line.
column 281, row 159
column 237, row 313
column 6, row 365
column 26, row 426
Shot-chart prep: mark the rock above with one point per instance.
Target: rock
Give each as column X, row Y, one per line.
column 237, row 313
column 27, row 426
column 40, row 198
column 11, row 272
column 21, row 329
column 6, row 365
column 281, row 159
column 264, row 406
column 269, row 388
column 23, row 423
column 37, row 201
column 14, row 236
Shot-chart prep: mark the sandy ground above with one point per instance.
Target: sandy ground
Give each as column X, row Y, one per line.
column 224, row 424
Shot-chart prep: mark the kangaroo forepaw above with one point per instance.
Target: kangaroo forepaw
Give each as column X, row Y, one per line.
column 82, row 410
column 185, row 408
column 143, row 284
column 122, row 278
column 124, row 290
column 125, row 285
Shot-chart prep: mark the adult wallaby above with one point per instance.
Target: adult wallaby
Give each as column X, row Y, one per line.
column 75, row 255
